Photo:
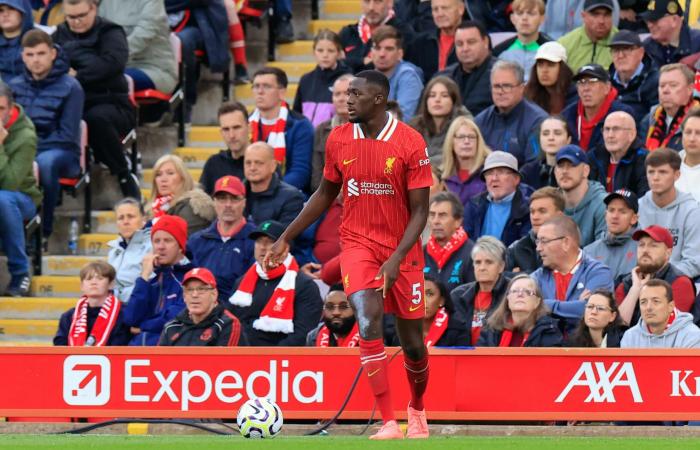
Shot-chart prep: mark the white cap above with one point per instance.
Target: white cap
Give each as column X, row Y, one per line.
column 551, row 51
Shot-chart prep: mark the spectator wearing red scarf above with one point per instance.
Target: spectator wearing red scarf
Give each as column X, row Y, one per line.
column 441, row 326
column 338, row 327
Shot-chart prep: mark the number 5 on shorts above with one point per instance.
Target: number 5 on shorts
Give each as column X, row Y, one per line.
column 417, row 294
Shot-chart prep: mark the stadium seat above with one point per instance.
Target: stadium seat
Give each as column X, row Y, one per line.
column 225, row 82
column 72, row 185
column 129, row 141
column 176, row 99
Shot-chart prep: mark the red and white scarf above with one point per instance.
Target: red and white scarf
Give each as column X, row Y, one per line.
column 161, row 205
column 365, row 30
column 101, row 329
column 442, row 254
column 276, row 136
column 352, row 339
column 278, row 314
column 437, row 328
column 671, row 318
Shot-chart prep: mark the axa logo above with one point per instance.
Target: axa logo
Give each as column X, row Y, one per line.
column 602, row 382
column 86, row 380
column 353, row 188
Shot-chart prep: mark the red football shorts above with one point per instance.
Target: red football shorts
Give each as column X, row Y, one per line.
column 405, row 299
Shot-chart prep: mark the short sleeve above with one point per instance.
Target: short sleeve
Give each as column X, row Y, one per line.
column 419, row 173
column 330, row 169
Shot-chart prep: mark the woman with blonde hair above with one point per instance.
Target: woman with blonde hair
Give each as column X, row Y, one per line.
column 174, row 193
column 464, row 153
column 521, row 319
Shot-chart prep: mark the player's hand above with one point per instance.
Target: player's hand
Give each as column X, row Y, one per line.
column 311, row 269
column 276, row 254
column 390, row 272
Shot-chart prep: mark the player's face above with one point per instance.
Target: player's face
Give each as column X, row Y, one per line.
column 433, row 299
column 166, row 248
column 262, row 245
column 522, row 296
column 487, row 269
column 619, row 217
column 234, row 131
column 501, row 182
column 129, row 220
column 363, row 100
column 95, row 285
column 598, row 314
column 229, row 208
column 651, row 255
column 337, row 313
column 442, row 222
column 200, row 298
column 662, row 178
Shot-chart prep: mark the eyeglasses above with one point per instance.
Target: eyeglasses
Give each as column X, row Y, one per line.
column 466, row 137
column 614, row 129
column 198, row 289
column 505, row 88
column 587, row 82
column 539, row 241
column 77, row 17
column 341, row 307
column 597, row 308
column 521, row 292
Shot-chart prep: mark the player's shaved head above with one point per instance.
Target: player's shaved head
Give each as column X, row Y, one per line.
column 376, row 80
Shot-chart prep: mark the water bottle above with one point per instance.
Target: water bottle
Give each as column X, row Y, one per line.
column 73, row 237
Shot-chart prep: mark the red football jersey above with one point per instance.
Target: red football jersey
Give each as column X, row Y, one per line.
column 376, row 175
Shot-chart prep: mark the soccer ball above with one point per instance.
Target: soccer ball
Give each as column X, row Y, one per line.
column 259, row 418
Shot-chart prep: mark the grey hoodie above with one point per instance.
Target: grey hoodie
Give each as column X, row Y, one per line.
column 619, row 253
column 128, row 261
column 682, row 219
column 681, row 334
column 589, row 214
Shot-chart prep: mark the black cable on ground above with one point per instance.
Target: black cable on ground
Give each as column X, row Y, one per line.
column 324, row 426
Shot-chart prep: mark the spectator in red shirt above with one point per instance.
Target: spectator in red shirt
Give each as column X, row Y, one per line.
column 653, row 261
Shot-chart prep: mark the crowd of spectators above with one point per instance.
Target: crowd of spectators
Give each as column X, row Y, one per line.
column 564, row 155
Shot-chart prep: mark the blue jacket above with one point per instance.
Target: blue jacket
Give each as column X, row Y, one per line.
column 212, row 21
column 55, row 105
column 405, row 86
column 514, row 132
column 11, row 63
column 590, row 275
column 544, row 334
column 570, row 113
column 689, row 43
column 642, row 91
column 517, row 225
column 156, row 302
column 226, row 260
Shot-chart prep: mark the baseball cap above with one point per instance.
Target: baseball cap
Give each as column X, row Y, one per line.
column 500, row 159
column 657, row 233
column 629, row 197
column 269, row 228
column 231, row 184
column 625, row 37
column 659, row 8
column 572, row 153
column 592, row 71
column 201, row 274
column 551, row 51
column 590, row 5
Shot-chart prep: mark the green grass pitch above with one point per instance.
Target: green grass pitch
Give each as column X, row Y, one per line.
column 206, row 442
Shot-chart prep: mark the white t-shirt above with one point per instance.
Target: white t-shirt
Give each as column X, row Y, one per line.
column 689, row 180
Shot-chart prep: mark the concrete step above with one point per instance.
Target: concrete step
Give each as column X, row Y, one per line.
column 296, row 51
column 294, row 69
column 66, row 265
column 333, row 24
column 94, row 244
column 28, row 327
column 341, row 9
column 204, row 134
column 34, row 307
column 148, row 175
column 55, row 286
column 195, row 157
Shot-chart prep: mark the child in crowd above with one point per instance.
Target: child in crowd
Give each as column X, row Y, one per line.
column 314, row 96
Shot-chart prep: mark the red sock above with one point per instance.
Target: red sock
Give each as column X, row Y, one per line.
column 417, row 373
column 373, row 359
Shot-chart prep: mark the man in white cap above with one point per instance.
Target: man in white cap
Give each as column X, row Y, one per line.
column 503, row 210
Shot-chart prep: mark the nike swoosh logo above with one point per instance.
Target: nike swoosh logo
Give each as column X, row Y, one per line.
column 349, row 161
column 373, row 373
column 411, row 308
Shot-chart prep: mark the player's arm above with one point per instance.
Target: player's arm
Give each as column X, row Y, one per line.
column 418, row 204
column 319, row 202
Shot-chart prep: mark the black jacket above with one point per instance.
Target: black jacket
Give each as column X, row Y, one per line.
column 416, row 14
column 642, row 92
column 314, row 97
column 630, row 172
column 517, row 225
column 475, row 86
column 456, row 271
column 281, row 202
column 523, row 254
column 120, row 335
column 356, row 50
column 463, row 303
column 689, row 43
column 307, row 312
column 494, row 14
column 99, row 57
column 218, row 166
column 613, row 337
column 424, row 52
column 538, row 174
column 545, row 334
column 219, row 329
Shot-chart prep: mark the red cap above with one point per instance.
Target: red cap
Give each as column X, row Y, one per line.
column 231, row 184
column 174, row 225
column 657, row 233
column 201, row 274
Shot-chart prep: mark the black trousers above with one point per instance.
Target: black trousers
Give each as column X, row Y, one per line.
column 108, row 123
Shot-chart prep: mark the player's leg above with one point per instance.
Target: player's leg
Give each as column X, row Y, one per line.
column 369, row 310
column 410, row 332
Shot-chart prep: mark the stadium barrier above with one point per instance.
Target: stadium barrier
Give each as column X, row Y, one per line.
column 311, row 383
